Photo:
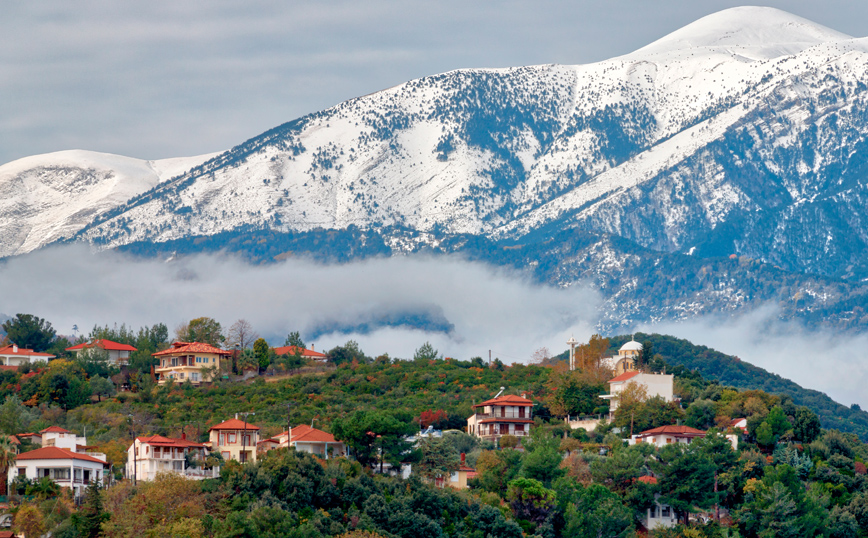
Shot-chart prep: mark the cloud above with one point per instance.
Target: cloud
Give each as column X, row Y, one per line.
column 167, row 79
column 393, row 305
column 464, row 308
column 822, row 360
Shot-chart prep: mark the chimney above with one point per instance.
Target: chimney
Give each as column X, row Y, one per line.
column 311, row 348
column 14, row 348
column 462, row 459
column 183, row 435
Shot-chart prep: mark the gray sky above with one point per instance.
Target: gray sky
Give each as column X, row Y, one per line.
column 165, row 78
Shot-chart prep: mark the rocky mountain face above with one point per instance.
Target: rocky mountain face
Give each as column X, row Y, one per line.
column 741, row 135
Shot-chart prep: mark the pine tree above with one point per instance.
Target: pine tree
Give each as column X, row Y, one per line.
column 90, row 518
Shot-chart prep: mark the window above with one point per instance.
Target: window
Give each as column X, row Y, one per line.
column 225, row 455
column 231, row 438
column 519, row 428
column 653, row 511
column 222, row 440
column 194, row 376
column 181, row 375
column 177, row 465
column 668, row 440
column 22, row 471
column 666, row 511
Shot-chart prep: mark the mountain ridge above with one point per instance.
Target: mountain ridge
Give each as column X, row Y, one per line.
column 741, row 134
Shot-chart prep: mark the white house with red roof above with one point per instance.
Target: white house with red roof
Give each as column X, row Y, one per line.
column 305, row 353
column 234, row 440
column 118, row 354
column 667, row 435
column 306, row 439
column 64, row 457
column 147, row 456
column 12, row 355
column 190, row 361
column 502, row 415
column 662, row 385
column 67, row 468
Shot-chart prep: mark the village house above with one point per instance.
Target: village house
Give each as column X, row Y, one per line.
column 502, row 415
column 190, row 361
column 661, row 385
column 65, row 458
column 458, row 479
column 154, row 454
column 234, row 440
column 658, row 514
column 306, row 439
column 665, row 435
column 15, row 356
column 304, row 353
column 118, row 354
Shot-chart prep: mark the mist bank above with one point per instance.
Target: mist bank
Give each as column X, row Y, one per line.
column 393, row 305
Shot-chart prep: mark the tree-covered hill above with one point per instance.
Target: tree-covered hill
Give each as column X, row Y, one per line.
column 730, row 370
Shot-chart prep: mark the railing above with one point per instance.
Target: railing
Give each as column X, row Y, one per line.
column 505, row 414
column 498, row 434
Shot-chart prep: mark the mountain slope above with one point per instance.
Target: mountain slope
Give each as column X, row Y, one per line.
column 742, row 134
column 739, row 134
column 731, row 371
column 48, row 197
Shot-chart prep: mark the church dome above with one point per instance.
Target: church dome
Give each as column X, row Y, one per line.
column 632, row 345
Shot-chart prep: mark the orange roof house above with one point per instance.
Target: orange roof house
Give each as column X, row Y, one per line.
column 190, row 361
column 118, row 353
column 14, row 356
column 67, row 468
column 305, row 353
column 501, row 415
column 147, row 456
column 307, row 439
column 235, row 440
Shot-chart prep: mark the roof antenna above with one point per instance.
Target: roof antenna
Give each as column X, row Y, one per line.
column 499, row 393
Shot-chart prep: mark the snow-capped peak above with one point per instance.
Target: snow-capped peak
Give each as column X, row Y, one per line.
column 760, row 33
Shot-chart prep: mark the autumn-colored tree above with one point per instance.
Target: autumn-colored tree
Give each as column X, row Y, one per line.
column 152, row 508
column 429, row 418
column 29, row 521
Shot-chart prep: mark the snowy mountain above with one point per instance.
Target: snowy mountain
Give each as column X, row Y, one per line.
column 741, row 134
column 50, row 197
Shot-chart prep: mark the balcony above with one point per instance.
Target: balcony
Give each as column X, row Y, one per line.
column 526, row 415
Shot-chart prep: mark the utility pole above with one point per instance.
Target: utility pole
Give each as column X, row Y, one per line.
column 244, row 436
column 135, row 448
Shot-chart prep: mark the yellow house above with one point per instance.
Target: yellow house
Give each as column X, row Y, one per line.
column 235, row 440
column 190, row 361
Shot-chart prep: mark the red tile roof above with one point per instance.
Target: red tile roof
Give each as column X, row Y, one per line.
column 233, row 424
column 13, row 439
column 182, row 348
column 679, row 431
column 509, row 399
column 306, row 434
column 108, row 345
column 8, row 368
column 24, row 352
column 55, row 429
column 7, row 534
column 159, row 440
column 623, row 377
column 55, row 453
column 289, row 350
column 647, row 479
